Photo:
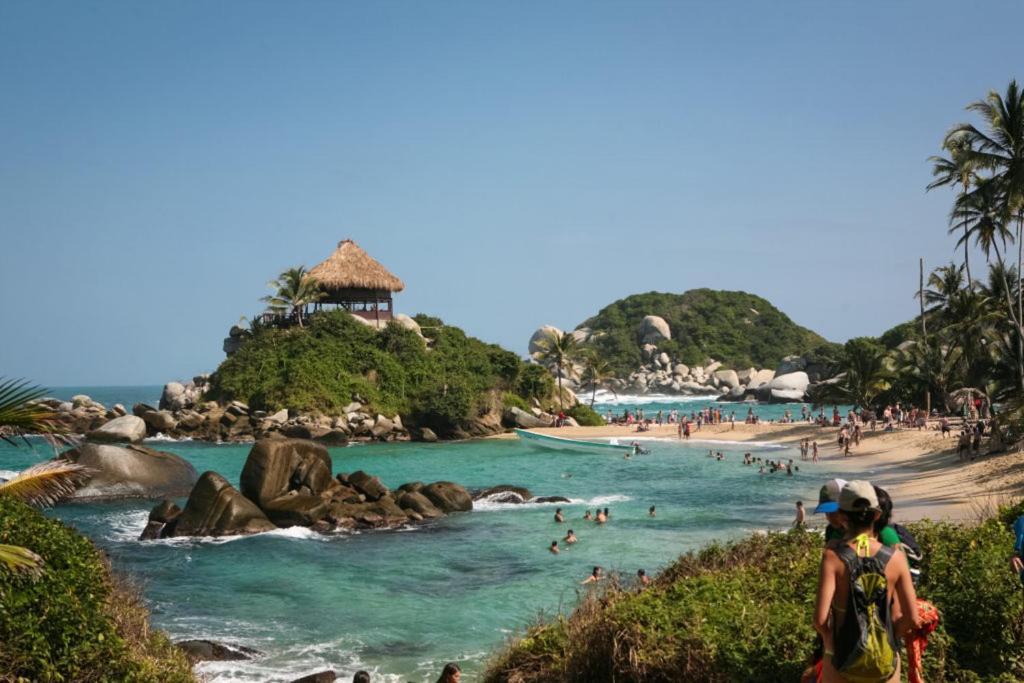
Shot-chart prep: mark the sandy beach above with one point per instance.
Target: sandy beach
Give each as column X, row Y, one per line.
column 918, row 468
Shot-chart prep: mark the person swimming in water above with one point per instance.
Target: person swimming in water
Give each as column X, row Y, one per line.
column 558, row 515
column 641, row 575
column 587, row 516
column 650, row 512
column 553, row 547
column 601, row 518
column 570, row 538
column 594, row 577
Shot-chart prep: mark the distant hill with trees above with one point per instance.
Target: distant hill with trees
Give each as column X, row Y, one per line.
column 737, row 328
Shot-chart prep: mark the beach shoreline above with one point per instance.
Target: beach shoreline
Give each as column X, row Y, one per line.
column 919, row 469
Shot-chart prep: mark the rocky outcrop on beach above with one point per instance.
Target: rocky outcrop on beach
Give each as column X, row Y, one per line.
column 181, row 414
column 288, row 482
column 130, row 471
column 662, row 374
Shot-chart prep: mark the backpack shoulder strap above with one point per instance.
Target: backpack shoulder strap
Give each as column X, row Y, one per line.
column 883, row 556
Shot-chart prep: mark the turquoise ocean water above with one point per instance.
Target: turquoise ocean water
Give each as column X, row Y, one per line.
column 401, row 603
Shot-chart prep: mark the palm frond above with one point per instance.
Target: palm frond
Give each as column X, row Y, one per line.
column 21, row 560
column 22, row 414
column 47, row 483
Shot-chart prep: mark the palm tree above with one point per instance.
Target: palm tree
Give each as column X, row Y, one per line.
column 560, row 351
column 595, row 371
column 44, row 484
column 957, row 170
column 294, row 290
column 1000, row 151
column 944, row 283
column 866, row 372
column 982, row 210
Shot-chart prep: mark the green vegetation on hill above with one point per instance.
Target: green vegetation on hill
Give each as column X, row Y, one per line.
column 742, row 612
column 75, row 623
column 336, row 359
column 739, row 329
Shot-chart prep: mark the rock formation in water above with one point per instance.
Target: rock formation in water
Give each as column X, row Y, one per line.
column 288, row 482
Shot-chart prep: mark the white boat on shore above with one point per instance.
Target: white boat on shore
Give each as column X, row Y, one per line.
column 558, row 443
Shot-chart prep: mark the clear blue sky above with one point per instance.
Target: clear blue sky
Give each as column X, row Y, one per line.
column 515, row 163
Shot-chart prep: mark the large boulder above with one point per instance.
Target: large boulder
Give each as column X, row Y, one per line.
column 448, row 496
column 201, row 650
column 654, row 329
column 727, row 379
column 761, row 377
column 285, row 478
column 131, row 472
column 160, row 420
column 276, row 466
column 518, row 417
column 786, row 395
column 408, row 323
column 790, row 364
column 216, row 508
column 368, row 485
column 542, row 333
column 124, row 429
column 521, row 493
column 792, row 382
column 418, row 503
column 173, row 396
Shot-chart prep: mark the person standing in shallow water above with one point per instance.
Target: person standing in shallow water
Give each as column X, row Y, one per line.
column 451, row 673
column 553, row 548
column 558, row 515
column 594, row 577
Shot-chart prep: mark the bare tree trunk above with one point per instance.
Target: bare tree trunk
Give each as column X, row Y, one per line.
column 560, row 406
column 924, row 336
column 967, row 262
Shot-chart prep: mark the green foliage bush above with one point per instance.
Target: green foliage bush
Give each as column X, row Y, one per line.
column 742, row 612
column 71, row 624
column 585, row 415
column 336, row 359
column 737, row 328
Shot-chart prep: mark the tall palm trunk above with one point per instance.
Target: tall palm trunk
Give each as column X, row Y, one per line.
column 1014, row 314
column 967, row 262
column 560, row 406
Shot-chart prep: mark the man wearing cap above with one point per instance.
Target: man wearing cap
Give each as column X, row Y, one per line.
column 828, row 503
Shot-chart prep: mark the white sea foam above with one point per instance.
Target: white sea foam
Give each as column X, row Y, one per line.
column 487, row 505
column 608, row 398
column 127, row 526
column 293, row 661
column 160, row 436
column 9, row 474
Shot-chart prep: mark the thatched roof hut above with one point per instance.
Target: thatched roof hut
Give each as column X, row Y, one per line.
column 354, row 280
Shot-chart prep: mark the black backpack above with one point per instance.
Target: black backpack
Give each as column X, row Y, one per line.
column 912, row 550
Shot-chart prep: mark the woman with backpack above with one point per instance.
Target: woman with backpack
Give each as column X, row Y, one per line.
column 859, row 582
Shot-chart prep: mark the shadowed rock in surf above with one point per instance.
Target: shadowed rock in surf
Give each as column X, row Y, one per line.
column 216, row 508
column 130, row 472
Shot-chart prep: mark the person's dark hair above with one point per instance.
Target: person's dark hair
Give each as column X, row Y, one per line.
column 450, row 669
column 570, row 531
column 861, row 520
column 558, row 509
column 640, row 572
column 606, row 511
column 554, row 543
column 799, row 503
column 596, row 570
column 885, row 504
column 361, row 677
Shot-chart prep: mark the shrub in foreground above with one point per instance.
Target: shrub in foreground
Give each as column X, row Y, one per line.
column 76, row 623
column 742, row 612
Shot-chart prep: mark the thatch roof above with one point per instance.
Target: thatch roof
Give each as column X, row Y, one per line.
column 349, row 267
